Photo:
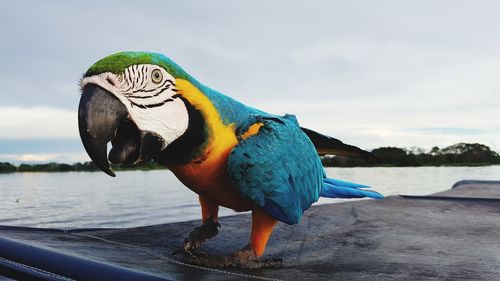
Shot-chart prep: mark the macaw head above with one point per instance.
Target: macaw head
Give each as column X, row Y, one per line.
column 130, row 99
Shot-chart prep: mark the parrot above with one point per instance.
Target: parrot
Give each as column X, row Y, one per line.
column 230, row 154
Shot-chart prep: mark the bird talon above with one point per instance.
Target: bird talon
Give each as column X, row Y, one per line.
column 190, row 253
column 190, row 246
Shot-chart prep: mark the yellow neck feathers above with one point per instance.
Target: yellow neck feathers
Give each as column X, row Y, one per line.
column 221, row 137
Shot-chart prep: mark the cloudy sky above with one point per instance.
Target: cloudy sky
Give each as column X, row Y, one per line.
column 371, row 73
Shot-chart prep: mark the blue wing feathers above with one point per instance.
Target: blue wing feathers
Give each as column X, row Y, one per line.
column 279, row 169
column 344, row 183
column 276, row 212
column 342, row 189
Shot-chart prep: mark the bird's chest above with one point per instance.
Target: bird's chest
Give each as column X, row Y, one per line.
column 208, row 177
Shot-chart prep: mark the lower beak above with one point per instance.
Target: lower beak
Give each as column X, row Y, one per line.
column 99, row 116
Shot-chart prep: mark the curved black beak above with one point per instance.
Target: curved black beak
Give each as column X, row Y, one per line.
column 99, row 116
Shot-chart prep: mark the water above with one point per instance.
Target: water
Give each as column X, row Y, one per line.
column 136, row 198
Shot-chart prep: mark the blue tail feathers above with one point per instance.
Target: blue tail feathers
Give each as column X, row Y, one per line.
column 334, row 188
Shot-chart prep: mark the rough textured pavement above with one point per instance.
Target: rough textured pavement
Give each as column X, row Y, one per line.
column 452, row 235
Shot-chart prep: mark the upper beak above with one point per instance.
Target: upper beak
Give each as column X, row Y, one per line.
column 99, row 117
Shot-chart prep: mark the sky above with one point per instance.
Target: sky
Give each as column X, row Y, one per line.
column 370, row 73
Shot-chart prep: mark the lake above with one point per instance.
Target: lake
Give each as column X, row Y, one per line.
column 137, row 198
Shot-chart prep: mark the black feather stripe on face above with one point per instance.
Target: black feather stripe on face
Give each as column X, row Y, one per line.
column 153, row 105
column 128, row 78
column 136, row 74
column 143, row 75
column 152, row 90
column 191, row 144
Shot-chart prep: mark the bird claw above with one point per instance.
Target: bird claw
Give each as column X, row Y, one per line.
column 240, row 259
column 199, row 235
column 243, row 258
column 191, row 245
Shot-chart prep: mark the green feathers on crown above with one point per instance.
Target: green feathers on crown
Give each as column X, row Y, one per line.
column 118, row 62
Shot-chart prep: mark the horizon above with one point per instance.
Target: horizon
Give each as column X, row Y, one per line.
column 370, row 74
column 413, row 150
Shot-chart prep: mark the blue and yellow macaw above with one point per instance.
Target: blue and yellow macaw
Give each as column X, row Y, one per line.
column 230, row 154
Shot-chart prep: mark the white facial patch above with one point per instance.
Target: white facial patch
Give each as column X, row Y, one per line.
column 148, row 92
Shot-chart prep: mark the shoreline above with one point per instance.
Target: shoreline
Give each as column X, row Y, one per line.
column 164, row 168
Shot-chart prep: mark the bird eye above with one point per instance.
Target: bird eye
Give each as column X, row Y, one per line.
column 156, row 76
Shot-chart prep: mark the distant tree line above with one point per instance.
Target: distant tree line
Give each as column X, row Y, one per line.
column 460, row 154
column 6, row 167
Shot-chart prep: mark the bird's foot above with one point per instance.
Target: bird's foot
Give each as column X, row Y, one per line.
column 244, row 258
column 200, row 234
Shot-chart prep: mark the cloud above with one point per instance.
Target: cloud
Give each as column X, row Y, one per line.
column 39, row 134
column 18, row 122
column 38, row 157
column 70, row 157
column 456, row 131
